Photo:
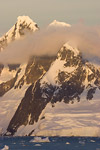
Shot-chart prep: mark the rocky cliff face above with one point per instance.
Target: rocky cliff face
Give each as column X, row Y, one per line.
column 65, row 80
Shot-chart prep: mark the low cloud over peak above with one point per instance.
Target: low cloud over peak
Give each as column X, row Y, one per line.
column 49, row 40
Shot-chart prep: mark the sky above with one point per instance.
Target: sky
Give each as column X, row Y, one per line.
column 44, row 12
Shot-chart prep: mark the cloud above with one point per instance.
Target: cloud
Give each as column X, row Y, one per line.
column 48, row 41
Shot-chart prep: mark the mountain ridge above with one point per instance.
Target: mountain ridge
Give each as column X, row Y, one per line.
column 70, row 83
column 46, row 95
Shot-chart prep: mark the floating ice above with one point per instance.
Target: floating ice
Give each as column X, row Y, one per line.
column 40, row 140
column 67, row 143
column 92, row 141
column 82, row 142
column 5, row 147
column 37, row 144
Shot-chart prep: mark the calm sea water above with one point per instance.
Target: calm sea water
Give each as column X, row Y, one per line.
column 56, row 143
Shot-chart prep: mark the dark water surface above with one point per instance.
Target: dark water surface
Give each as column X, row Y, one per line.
column 56, row 143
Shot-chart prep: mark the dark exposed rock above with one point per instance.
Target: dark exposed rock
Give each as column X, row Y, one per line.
column 1, row 67
column 31, row 105
column 6, row 86
column 91, row 77
column 22, row 111
column 13, row 66
column 91, row 92
column 39, row 66
column 36, row 67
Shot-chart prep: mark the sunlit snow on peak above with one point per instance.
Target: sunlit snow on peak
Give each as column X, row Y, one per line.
column 57, row 23
column 68, row 46
column 28, row 21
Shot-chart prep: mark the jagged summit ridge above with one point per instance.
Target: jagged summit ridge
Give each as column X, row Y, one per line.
column 70, row 75
column 66, row 62
column 27, row 23
column 68, row 46
column 23, row 24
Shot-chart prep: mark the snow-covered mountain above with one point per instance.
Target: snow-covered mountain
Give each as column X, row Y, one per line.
column 12, row 76
column 68, row 81
column 52, row 96
column 24, row 24
column 9, row 74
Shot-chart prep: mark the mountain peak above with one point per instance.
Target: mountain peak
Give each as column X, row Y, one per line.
column 57, row 23
column 67, row 51
column 67, row 46
column 26, row 20
column 23, row 18
column 23, row 24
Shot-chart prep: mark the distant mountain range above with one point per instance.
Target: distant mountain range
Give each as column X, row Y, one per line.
column 50, row 95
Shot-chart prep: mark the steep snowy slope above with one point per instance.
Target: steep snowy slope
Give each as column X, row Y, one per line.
column 13, row 89
column 68, row 86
